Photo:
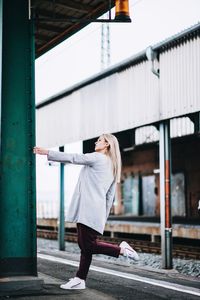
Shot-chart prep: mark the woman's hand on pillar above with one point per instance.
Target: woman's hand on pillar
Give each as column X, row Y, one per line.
column 41, row 151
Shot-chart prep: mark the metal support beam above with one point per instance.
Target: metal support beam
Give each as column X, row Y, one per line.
column 1, row 42
column 61, row 227
column 165, row 194
column 18, row 255
column 77, row 20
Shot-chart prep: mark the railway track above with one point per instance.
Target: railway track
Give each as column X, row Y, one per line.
column 181, row 251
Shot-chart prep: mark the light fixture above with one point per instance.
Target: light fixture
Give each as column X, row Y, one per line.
column 122, row 11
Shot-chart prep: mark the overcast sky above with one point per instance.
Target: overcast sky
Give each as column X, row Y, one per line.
column 79, row 57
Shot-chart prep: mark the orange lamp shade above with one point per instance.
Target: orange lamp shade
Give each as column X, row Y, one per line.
column 122, row 10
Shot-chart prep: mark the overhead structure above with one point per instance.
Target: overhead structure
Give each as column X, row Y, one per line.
column 57, row 20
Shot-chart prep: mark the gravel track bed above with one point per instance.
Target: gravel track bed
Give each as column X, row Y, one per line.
column 188, row 267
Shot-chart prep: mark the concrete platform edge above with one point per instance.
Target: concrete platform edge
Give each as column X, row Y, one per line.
column 20, row 283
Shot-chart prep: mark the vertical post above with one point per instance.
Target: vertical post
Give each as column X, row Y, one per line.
column 165, row 194
column 168, row 221
column 18, row 253
column 61, row 228
column 1, row 42
column 162, row 190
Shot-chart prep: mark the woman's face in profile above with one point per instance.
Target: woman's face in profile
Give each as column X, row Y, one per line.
column 100, row 144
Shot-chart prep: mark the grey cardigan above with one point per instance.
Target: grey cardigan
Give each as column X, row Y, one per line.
column 95, row 190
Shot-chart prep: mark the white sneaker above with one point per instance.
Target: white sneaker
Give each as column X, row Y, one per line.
column 129, row 252
column 74, row 284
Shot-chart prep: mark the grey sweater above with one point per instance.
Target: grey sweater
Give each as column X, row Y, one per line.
column 95, row 190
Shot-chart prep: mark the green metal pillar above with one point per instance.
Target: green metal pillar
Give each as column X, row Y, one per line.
column 17, row 137
column 1, row 36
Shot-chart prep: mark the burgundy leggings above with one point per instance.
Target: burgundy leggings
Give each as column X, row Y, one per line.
column 87, row 241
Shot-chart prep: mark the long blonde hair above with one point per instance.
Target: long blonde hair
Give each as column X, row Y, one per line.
column 114, row 154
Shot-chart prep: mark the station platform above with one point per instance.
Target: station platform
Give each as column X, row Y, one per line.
column 107, row 280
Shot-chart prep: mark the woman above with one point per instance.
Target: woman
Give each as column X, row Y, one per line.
column 92, row 200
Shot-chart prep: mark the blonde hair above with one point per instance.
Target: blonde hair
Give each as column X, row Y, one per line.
column 114, row 154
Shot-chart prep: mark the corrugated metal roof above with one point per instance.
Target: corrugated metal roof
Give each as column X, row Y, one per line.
column 57, row 20
column 163, row 46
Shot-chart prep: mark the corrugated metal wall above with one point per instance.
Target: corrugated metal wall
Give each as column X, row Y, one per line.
column 127, row 99
column 179, row 80
column 178, row 127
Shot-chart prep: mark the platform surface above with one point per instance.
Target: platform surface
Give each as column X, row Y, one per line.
column 107, row 280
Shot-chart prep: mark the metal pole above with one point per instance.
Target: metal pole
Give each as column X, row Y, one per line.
column 61, row 226
column 168, row 221
column 162, row 191
column 165, row 195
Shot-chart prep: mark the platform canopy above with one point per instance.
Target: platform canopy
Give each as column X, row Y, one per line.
column 57, row 20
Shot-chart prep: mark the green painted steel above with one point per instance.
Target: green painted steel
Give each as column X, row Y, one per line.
column 61, row 229
column 1, row 36
column 17, row 162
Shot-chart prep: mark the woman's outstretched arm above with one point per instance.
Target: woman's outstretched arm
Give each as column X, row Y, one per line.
column 73, row 158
